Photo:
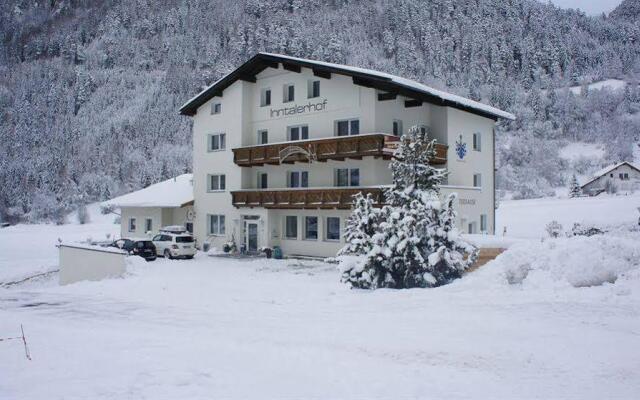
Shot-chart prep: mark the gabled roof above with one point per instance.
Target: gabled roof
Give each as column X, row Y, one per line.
column 361, row 76
column 174, row 192
column 608, row 169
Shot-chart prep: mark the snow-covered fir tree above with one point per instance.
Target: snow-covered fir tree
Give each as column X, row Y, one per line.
column 360, row 226
column 574, row 187
column 416, row 243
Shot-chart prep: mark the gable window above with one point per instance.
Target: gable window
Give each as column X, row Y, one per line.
column 477, row 180
column 624, row 176
column 148, row 225
column 300, row 132
column 397, row 127
column 216, row 183
column 347, row 177
column 483, row 223
column 313, row 89
column 311, row 228
column 216, row 108
column 265, row 97
column 217, row 141
column 477, row 142
column 288, row 94
column 348, row 127
column 262, row 180
column 333, row 228
column 132, row 224
column 291, row 227
column 297, row 179
column 263, row 136
column 216, row 225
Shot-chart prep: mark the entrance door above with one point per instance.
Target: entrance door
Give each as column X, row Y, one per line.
column 252, row 237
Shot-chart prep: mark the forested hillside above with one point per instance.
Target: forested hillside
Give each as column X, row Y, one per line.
column 89, row 90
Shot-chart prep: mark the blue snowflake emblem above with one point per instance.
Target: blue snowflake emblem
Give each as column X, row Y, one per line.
column 461, row 148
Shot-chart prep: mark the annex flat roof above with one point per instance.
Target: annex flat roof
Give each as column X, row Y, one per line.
column 361, row 76
column 174, row 192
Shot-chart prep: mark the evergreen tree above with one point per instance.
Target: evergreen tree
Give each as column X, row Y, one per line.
column 574, row 187
column 416, row 243
column 360, row 226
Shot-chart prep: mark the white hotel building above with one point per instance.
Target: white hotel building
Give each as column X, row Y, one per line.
column 255, row 129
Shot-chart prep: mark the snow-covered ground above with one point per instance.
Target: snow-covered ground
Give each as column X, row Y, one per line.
column 528, row 218
column 523, row 326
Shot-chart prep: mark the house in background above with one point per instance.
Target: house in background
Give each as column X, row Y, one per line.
column 163, row 204
column 621, row 177
column 281, row 144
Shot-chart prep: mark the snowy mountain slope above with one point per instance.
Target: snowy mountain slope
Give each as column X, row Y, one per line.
column 611, row 84
column 103, row 80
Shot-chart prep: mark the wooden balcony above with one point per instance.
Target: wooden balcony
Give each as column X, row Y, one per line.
column 378, row 145
column 318, row 198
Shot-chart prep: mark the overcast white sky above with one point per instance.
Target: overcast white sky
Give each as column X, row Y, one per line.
column 593, row 7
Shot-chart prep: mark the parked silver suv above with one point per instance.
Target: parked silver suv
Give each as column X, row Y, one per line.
column 174, row 242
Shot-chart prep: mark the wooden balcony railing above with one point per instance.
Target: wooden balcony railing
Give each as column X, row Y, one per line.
column 339, row 148
column 329, row 198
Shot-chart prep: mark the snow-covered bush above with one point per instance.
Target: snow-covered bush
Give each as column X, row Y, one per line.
column 415, row 243
column 579, row 229
column 554, row 229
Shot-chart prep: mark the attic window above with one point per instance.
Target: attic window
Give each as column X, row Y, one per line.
column 216, row 108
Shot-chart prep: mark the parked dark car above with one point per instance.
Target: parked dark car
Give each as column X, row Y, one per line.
column 143, row 248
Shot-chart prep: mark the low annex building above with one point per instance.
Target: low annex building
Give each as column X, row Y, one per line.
column 623, row 176
column 281, row 144
column 163, row 204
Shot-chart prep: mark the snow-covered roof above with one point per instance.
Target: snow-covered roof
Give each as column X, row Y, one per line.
column 608, row 169
column 377, row 79
column 174, row 192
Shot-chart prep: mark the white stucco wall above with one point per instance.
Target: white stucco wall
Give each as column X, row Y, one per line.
column 88, row 264
column 160, row 217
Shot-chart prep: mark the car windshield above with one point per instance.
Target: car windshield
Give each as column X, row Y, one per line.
column 184, row 239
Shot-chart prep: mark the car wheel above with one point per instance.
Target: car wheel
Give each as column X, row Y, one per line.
column 189, row 257
column 167, row 254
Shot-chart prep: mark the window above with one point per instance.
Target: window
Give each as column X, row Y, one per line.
column 311, row 228
column 397, row 127
column 291, row 227
column 300, row 132
column 216, row 108
column 217, row 141
column 313, row 89
column 263, row 136
column 624, row 176
column 189, row 227
column 347, row 177
column 424, row 129
column 611, row 175
column 288, row 94
column 298, row 179
column 262, row 180
column 483, row 223
column 216, row 225
column 348, row 127
column 333, row 228
column 477, row 143
column 132, row 224
column 148, row 225
column 472, row 227
column 477, row 180
column 216, row 183
column 265, row 97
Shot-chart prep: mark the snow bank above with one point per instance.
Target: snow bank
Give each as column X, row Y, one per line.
column 578, row 261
